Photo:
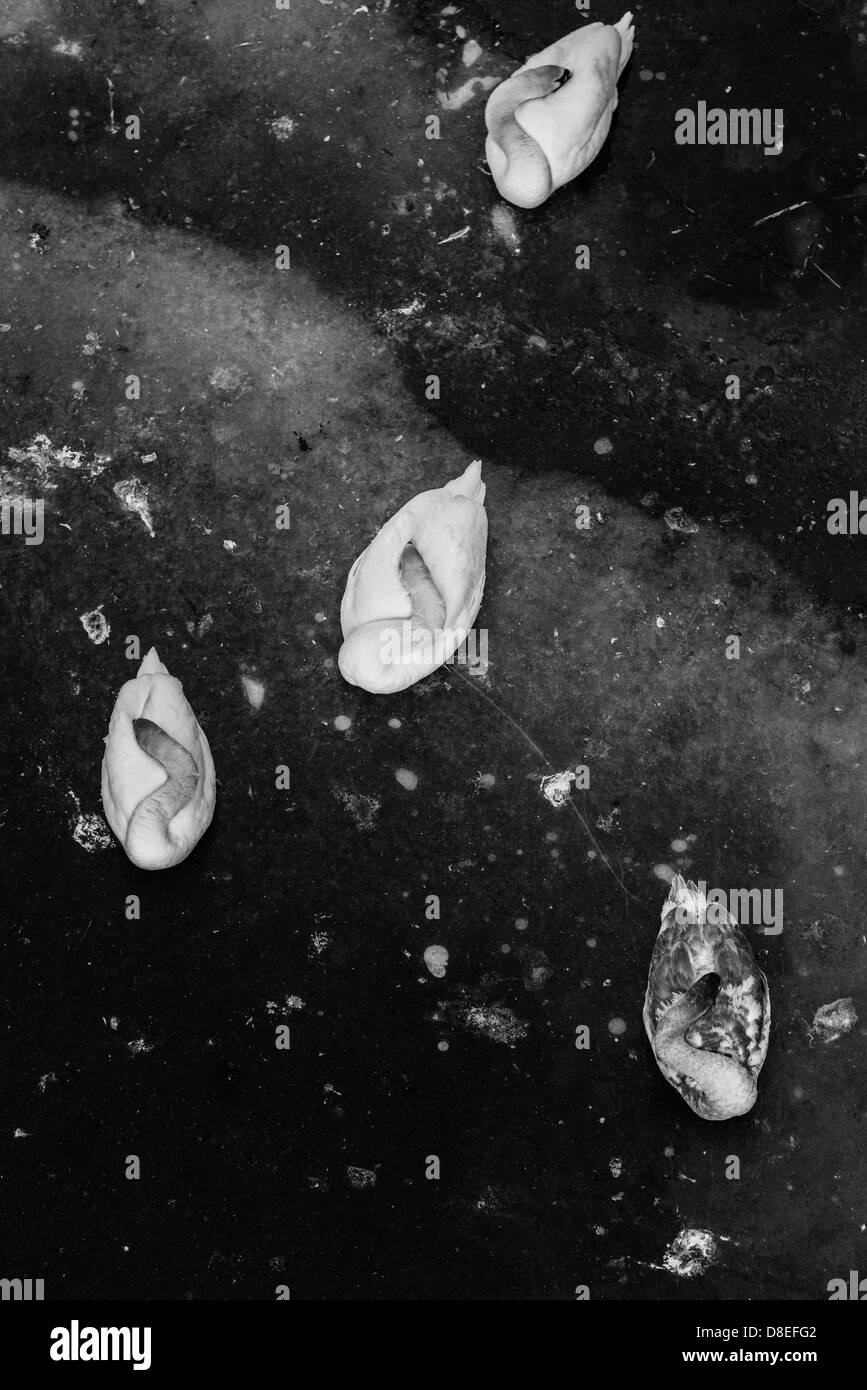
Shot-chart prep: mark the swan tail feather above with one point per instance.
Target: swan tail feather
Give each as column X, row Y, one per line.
column 626, row 31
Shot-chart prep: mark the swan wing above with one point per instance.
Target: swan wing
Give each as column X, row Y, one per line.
column 452, row 537
column 572, row 123
column 738, row 1024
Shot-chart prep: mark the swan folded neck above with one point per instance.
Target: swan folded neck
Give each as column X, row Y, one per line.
column 428, row 605
column 154, row 815
column 526, row 177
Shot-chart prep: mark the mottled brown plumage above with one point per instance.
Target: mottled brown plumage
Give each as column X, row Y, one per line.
column 707, row 1010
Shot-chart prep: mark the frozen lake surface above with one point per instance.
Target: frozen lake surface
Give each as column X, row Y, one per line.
column 166, row 388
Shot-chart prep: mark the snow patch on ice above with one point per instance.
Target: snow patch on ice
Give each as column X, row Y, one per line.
column 45, row 459
column 95, row 625
column 690, row 1253
column 134, row 496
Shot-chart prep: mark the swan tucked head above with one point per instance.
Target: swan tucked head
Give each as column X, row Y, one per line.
column 391, row 655
column 538, row 81
column 520, row 167
column 724, row 1098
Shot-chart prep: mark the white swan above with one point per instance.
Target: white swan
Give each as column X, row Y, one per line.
column 413, row 595
column 543, row 130
column 158, row 780
column 707, row 1011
